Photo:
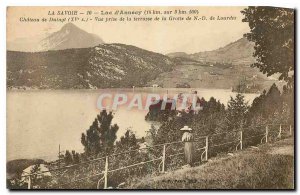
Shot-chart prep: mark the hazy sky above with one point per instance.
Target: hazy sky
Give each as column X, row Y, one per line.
column 163, row 37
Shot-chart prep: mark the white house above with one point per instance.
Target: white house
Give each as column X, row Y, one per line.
column 42, row 169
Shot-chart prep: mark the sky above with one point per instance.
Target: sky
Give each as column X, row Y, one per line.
column 161, row 37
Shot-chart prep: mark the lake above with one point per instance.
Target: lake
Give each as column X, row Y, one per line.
column 39, row 120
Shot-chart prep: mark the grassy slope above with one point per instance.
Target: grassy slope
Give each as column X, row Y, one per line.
column 203, row 77
column 271, row 166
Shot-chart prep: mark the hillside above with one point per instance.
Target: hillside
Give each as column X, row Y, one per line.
column 178, row 54
column 217, row 76
column 69, row 36
column 270, row 166
column 103, row 66
column 238, row 52
column 223, row 68
column 15, row 167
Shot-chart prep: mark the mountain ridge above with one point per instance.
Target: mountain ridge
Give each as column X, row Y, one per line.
column 102, row 66
column 68, row 37
column 237, row 52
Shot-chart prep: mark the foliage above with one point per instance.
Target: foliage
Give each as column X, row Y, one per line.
column 236, row 112
column 39, row 181
column 288, row 106
column 68, row 158
column 268, row 107
column 156, row 113
column 76, row 157
column 101, row 135
column 127, row 141
column 71, row 157
column 207, row 121
column 272, row 31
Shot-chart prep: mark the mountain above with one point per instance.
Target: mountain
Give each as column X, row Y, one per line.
column 237, row 53
column 102, row 66
column 28, row 44
column 225, row 68
column 69, row 36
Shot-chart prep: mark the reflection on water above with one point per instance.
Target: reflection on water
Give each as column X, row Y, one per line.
column 38, row 121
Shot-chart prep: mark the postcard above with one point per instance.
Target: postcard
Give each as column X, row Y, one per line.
column 188, row 98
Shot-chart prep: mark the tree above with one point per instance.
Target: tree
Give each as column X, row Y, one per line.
column 107, row 131
column 68, row 158
column 210, row 119
column 101, row 135
column 156, row 113
column 236, row 112
column 273, row 102
column 75, row 156
column 151, row 135
column 288, row 104
column 212, row 106
column 91, row 140
column 169, row 130
column 268, row 107
column 256, row 111
column 272, row 31
column 127, row 141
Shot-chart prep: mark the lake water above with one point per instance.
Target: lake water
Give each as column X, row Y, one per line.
column 39, row 120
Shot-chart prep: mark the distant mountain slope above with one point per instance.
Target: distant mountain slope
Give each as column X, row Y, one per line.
column 69, row 36
column 106, row 65
column 223, row 68
column 238, row 52
column 28, row 44
column 178, row 54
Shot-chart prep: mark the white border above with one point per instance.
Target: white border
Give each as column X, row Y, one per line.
column 5, row 3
